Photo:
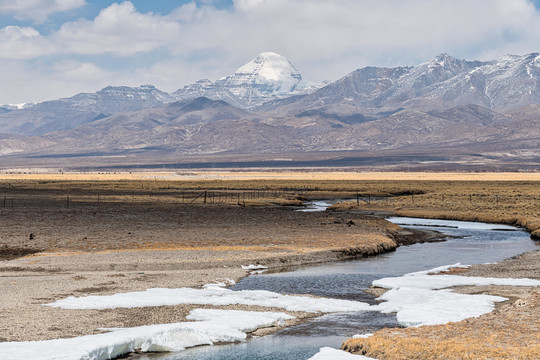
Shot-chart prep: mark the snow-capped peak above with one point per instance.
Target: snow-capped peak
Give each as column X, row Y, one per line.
column 443, row 60
column 269, row 72
column 267, row 77
column 271, row 67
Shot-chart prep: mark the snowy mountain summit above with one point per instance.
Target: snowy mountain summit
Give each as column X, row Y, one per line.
column 268, row 73
column 268, row 76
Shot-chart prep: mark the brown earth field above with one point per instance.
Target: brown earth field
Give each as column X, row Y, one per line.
column 88, row 234
column 79, row 238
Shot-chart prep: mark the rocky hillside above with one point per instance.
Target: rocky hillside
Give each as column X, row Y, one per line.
column 487, row 111
column 267, row 77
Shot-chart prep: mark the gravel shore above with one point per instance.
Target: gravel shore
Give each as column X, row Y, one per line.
column 124, row 249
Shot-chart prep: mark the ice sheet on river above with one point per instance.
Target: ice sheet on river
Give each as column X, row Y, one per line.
column 210, row 296
column 211, row 326
column 449, row 223
column 418, row 300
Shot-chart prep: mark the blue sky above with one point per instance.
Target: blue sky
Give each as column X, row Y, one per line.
column 51, row 49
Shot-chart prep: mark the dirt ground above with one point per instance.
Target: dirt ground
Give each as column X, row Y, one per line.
column 51, row 252
column 81, row 236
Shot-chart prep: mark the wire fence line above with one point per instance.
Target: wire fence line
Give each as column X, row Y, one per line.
column 69, row 199
column 12, row 199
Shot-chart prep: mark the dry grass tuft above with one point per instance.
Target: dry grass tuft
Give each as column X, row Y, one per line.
column 511, row 332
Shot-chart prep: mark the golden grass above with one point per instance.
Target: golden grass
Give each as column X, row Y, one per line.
column 510, row 202
column 510, row 333
column 488, row 346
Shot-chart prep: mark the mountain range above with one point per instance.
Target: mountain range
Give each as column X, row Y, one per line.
column 481, row 112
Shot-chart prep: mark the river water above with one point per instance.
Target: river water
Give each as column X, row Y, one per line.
column 471, row 243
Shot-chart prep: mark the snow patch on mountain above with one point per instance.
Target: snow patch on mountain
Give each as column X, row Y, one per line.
column 267, row 77
column 269, row 72
column 17, row 106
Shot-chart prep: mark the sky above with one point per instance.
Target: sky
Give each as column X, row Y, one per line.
column 58, row 48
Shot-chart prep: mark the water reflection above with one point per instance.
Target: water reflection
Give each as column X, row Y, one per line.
column 473, row 244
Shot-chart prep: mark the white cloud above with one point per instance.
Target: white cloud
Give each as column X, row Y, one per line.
column 22, row 43
column 324, row 39
column 346, row 34
column 170, row 75
column 35, row 82
column 307, row 31
column 37, row 10
column 76, row 71
column 118, row 29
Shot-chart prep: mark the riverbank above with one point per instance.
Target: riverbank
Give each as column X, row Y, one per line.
column 505, row 202
column 90, row 237
column 509, row 332
column 81, row 251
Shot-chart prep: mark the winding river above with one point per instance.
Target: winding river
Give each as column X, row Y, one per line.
column 470, row 243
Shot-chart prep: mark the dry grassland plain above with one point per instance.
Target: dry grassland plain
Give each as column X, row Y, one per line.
column 131, row 231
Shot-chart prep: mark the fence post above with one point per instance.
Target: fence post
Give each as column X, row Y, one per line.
column 205, row 196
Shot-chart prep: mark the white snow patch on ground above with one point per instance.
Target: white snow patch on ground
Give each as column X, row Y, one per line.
column 328, row 353
column 211, row 326
column 210, row 296
column 221, row 283
column 316, row 206
column 254, row 267
column 417, row 306
column 418, row 300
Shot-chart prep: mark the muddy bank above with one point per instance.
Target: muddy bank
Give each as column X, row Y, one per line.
column 132, row 248
column 28, row 283
column 9, row 252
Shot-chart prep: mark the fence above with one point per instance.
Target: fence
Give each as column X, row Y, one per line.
column 70, row 199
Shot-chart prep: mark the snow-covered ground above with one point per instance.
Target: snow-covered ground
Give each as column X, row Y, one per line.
column 316, row 206
column 210, row 296
column 417, row 297
column 209, row 327
column 420, row 298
